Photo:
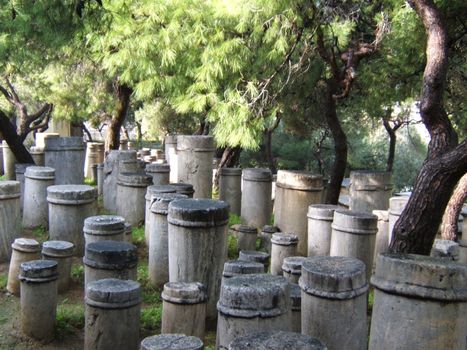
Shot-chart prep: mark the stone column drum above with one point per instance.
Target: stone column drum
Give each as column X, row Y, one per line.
column 104, row 228
column 36, row 208
column 158, row 262
column 334, row 302
column 128, row 233
column 171, row 342
column 184, row 308
column 100, row 179
column 38, row 298
column 186, row 189
column 246, row 236
column 230, row 188
column 20, row 169
column 170, row 150
column 295, row 191
column 112, row 315
column 353, row 235
column 292, row 268
column 62, row 253
column 110, row 259
column 256, row 197
column 24, row 249
column 69, row 205
column 255, row 256
column 248, row 303
column 130, row 197
column 276, row 341
column 396, row 207
column 265, row 236
column 94, row 155
column 66, row 155
column 382, row 239
column 194, row 157
column 198, row 245
column 160, row 173
column 296, row 307
column 320, row 218
column 370, row 190
column 9, row 162
column 150, row 192
column 431, row 291
column 38, row 155
column 42, row 136
column 240, row 267
column 10, row 216
column 283, row 245
column 463, row 251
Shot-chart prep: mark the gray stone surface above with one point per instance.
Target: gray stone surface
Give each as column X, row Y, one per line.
column 1, row 158
column 283, row 245
column 172, row 342
column 24, row 249
column 128, row 230
column 230, row 188
column 61, row 252
column 443, row 248
column 396, row 206
column 382, row 236
column 20, row 169
column 9, row 161
column 94, row 155
column 36, row 208
column 160, row 173
column 370, row 190
column 253, row 255
column 170, row 150
column 241, row 267
column 38, row 155
column 463, row 251
column 256, row 208
column 66, row 155
column 131, row 190
column 245, row 236
column 265, row 236
column 10, row 216
column 276, row 341
column 292, row 268
column 100, row 179
column 320, row 218
column 104, row 228
column 184, row 188
column 296, row 307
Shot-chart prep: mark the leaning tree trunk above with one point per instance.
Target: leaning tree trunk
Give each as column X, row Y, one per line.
column 392, row 145
column 14, row 141
column 451, row 215
column 123, row 103
column 229, row 159
column 268, row 150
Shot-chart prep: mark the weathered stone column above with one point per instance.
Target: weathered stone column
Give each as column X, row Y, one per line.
column 370, row 190
column 186, row 189
column 265, row 236
column 104, row 228
column 230, row 188
column 38, row 298
column 38, row 155
column 1, row 158
column 66, row 155
column 112, row 315
column 396, row 206
column 248, row 303
column 246, row 236
column 320, row 218
column 9, row 162
column 10, row 216
column 240, row 267
column 194, row 157
column 62, row 253
column 151, row 191
column 283, row 245
column 382, row 239
column 463, row 251
column 158, row 263
column 170, row 144
column 24, row 249
column 130, row 197
column 100, row 179
column 292, row 268
column 431, row 291
column 446, row 249
column 184, row 308
column 296, row 307
column 94, row 155
column 69, row 205
column 160, row 173
column 353, row 235
column 256, row 197
column 123, row 145
column 128, row 230
column 171, row 342
column 42, row 136
column 20, row 169
column 276, row 341
column 198, row 245
column 334, row 302
column 36, row 208
column 255, row 256
column 110, row 259
column 295, row 191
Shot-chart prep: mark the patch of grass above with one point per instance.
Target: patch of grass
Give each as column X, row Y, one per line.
column 137, row 236
column 210, row 340
column 371, row 299
column 151, row 317
column 77, row 273
column 40, row 233
column 234, row 220
column 2, row 178
column 90, row 182
column 232, row 247
column 142, row 273
column 70, row 317
column 3, row 282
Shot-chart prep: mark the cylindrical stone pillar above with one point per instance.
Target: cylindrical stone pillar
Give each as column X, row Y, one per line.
column 130, row 197
column 24, row 249
column 255, row 256
column 100, row 179
column 246, row 236
column 463, row 251
column 186, row 189
column 9, row 162
column 69, row 205
column 10, row 216
column 283, row 246
column 265, row 236
column 370, row 190
column 112, row 315
column 20, row 169
column 172, row 342
column 1, row 158
column 446, row 249
column 295, row 191
column 104, row 228
column 128, row 230
column 62, row 253
column 94, row 155
column 38, row 155
column 320, row 218
column 184, row 308
column 151, row 191
column 230, row 188
column 38, row 298
column 198, row 245
column 241, row 267
column 194, row 157
column 353, row 235
column 42, row 136
column 66, row 155
column 254, row 302
column 123, row 145
column 292, row 268
column 296, row 307
column 334, row 301
column 110, row 259
column 160, row 173
column 431, row 291
column 170, row 144
column 396, row 207
column 382, row 239
column 36, row 208
column 256, row 197
column 276, row 341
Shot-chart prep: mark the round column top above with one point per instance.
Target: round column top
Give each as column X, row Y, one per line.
column 58, row 249
column 241, row 267
column 40, row 173
column 355, row 222
column 104, row 224
column 27, row 245
column 195, row 142
column 276, row 340
column 257, row 174
column 244, row 228
column 110, row 255
column 113, row 293
column 71, row 194
column 323, row 212
column 253, row 255
column 38, row 271
column 134, row 180
column 198, row 212
column 371, row 180
column 270, row 229
column 157, row 168
column 184, row 292
column 281, row 238
column 230, row 171
column 397, row 204
column 9, row 189
column 156, row 189
column 73, row 143
column 160, row 202
column 299, row 180
column 172, row 342
column 183, row 188
column 20, row 168
column 293, row 264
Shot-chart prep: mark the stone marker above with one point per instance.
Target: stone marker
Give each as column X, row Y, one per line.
column 38, row 155
column 66, row 155
column 370, row 190
column 296, row 307
column 10, row 216
column 245, row 235
column 160, row 173
column 94, row 156
column 254, row 302
column 128, row 230
column 170, row 150
column 396, row 206
column 20, row 169
column 36, row 208
column 104, row 228
column 295, row 191
column 38, row 298
column 431, row 291
column 184, row 308
column 171, row 342
column 283, row 245
column 61, row 252
column 69, row 205
column 9, row 161
column 256, row 197
column 131, row 188
column 265, row 236
column 334, row 302
column 253, row 255
column 276, row 341
column 230, row 188
column 382, row 235
column 292, row 268
column 182, row 188
column 320, row 218
column 198, row 245
column 100, row 179
column 112, row 315
column 443, row 248
column 240, row 267
column 24, row 249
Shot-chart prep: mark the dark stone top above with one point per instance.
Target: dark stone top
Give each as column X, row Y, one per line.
column 370, row 180
column 355, row 222
column 253, row 255
column 230, row 171
column 323, row 212
column 110, row 255
column 38, row 271
column 134, row 180
column 20, row 168
column 257, row 174
column 160, row 202
column 26, row 245
column 295, row 296
column 270, row 229
column 198, row 212
column 293, row 264
column 397, row 204
column 284, row 239
column 244, row 229
column 71, row 194
column 421, row 277
column 74, row 143
column 254, row 295
column 241, row 267
column 9, row 189
column 157, row 168
column 333, row 277
column 57, row 249
column 195, row 142
column 113, row 293
column 104, row 225
column 277, row 340
column 156, row 189
column 171, row 342
column 184, row 188
column 184, row 292
column 40, row 173
column 299, row 180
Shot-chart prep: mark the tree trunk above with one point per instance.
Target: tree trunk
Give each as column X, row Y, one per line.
column 229, row 159
column 15, row 143
column 268, row 149
column 451, row 215
column 123, row 103
column 392, row 145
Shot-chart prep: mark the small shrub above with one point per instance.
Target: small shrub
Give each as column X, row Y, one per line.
column 234, row 219
column 137, row 236
column 232, row 249
column 77, row 273
column 3, row 282
column 40, row 233
column 151, row 317
column 69, row 318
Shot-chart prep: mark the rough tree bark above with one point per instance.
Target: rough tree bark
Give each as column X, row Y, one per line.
column 123, row 102
column 446, row 160
column 8, row 132
column 453, row 209
column 391, row 130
